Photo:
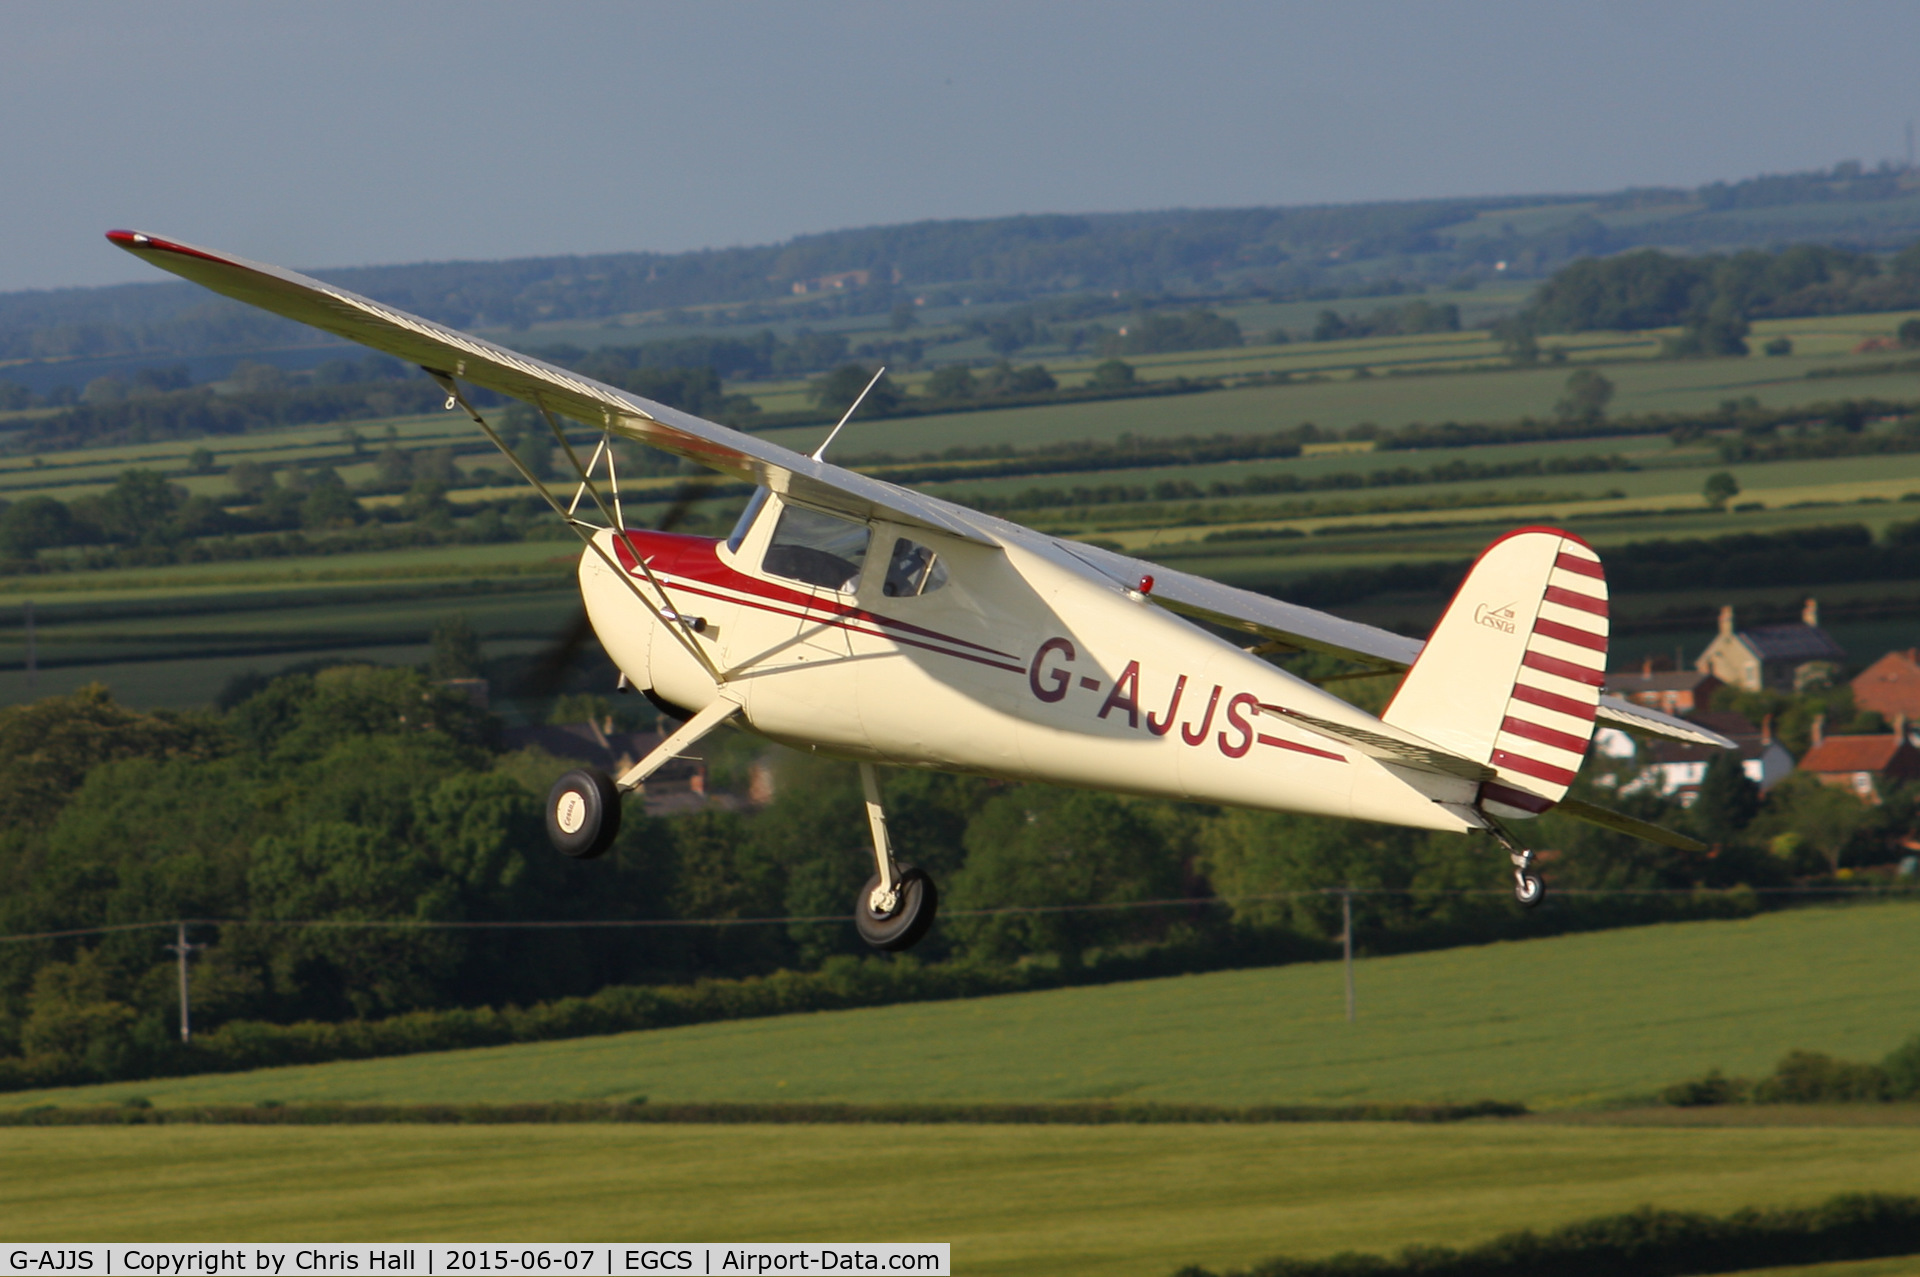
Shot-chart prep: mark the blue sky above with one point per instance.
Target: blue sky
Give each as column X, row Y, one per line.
column 350, row 133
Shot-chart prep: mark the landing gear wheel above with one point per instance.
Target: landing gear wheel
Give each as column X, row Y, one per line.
column 1528, row 889
column 902, row 925
column 583, row 814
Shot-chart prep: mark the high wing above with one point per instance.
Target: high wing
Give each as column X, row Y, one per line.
column 481, row 363
column 816, row 483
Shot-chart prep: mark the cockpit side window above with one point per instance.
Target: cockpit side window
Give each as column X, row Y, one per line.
column 818, row 549
column 913, row 569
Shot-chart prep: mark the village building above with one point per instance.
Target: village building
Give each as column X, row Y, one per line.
column 680, row 786
column 1781, row 658
column 1891, row 686
column 1868, row 766
column 1670, row 691
column 1676, row 768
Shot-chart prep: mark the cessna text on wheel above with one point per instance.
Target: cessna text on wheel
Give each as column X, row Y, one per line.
column 851, row 616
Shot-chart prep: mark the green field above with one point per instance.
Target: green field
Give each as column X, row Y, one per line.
column 1551, row 1022
column 1029, row 1200
column 175, row 635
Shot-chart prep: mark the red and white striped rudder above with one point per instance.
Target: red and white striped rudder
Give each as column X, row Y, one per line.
column 1513, row 672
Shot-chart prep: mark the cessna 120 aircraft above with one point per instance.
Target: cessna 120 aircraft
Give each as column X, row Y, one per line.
column 862, row 619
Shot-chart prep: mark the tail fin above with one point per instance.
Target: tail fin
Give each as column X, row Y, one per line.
column 1511, row 676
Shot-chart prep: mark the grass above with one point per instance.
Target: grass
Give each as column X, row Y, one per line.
column 1551, row 1022
column 1028, row 1200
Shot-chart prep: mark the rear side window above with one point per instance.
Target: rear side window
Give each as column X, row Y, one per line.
column 913, row 569
column 818, row 549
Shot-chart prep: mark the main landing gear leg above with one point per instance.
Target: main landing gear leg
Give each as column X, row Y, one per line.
column 583, row 807
column 897, row 905
column 1527, row 887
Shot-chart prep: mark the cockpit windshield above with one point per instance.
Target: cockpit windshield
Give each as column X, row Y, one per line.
column 818, row 549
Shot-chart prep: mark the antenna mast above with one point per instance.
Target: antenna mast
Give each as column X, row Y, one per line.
column 821, row 451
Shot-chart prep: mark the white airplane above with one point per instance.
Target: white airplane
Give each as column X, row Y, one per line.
column 865, row 620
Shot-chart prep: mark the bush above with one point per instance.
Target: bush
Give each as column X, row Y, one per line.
column 1648, row 1243
column 1807, row 1077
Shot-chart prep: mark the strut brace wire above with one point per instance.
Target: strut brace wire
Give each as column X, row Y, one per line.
column 665, row 613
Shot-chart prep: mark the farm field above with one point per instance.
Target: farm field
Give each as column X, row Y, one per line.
column 1646, row 1007
column 1494, row 395
column 1033, row 1200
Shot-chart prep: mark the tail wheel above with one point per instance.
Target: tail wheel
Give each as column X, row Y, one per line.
column 583, row 814
column 901, row 927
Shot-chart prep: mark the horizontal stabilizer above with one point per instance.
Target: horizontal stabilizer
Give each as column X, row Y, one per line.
column 1389, row 745
column 1630, row 717
column 1622, row 823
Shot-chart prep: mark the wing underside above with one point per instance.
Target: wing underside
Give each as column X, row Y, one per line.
column 481, row 363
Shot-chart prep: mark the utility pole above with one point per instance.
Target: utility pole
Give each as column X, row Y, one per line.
column 182, row 948
column 1346, row 943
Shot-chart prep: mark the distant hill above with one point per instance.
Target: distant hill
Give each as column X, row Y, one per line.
column 1180, row 254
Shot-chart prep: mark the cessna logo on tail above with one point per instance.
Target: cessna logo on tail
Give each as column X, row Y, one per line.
column 1494, row 618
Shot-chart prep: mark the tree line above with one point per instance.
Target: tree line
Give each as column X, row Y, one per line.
column 356, row 792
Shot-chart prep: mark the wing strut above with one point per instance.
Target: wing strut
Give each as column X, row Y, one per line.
column 668, row 616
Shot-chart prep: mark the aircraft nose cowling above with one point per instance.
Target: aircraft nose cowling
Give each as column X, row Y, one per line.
column 622, row 623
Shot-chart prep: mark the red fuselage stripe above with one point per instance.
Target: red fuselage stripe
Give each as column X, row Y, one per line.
column 1264, row 739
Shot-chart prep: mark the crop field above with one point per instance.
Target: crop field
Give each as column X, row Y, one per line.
column 1129, row 1201
column 1550, row 1022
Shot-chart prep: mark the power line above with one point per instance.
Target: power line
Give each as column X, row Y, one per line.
column 1174, row 902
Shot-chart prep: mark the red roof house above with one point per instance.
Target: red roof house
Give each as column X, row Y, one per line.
column 1891, row 685
column 1863, row 764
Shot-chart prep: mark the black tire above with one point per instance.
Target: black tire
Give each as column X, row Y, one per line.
column 1529, row 890
column 583, row 814
column 910, row 919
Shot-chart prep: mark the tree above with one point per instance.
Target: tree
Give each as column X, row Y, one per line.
column 953, row 381
column 836, row 391
column 1114, row 374
column 1727, row 802
column 34, row 524
column 1040, row 846
column 901, row 317
column 1004, row 379
column 1720, row 488
column 1517, row 342
column 1584, row 400
column 138, row 508
column 1909, row 334
column 456, row 650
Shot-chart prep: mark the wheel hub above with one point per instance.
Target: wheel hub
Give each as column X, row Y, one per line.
column 883, row 902
column 571, row 812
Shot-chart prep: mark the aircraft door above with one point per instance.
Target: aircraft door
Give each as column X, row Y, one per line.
column 811, row 685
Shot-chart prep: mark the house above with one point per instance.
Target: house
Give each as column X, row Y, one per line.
column 1866, row 765
column 679, row 786
column 1675, row 767
column 1781, row 658
column 1891, row 685
column 1670, row 691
